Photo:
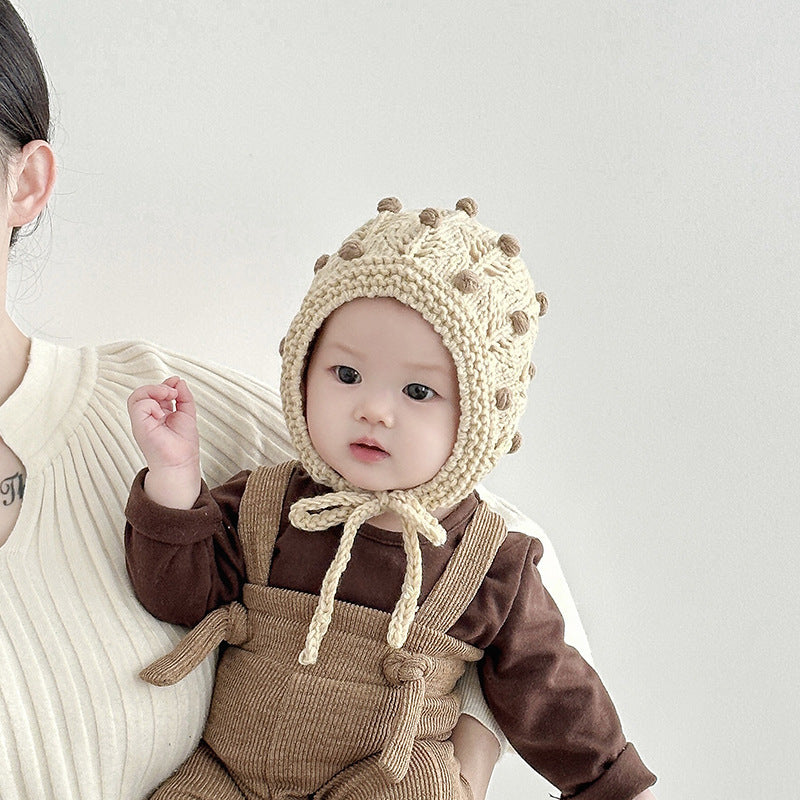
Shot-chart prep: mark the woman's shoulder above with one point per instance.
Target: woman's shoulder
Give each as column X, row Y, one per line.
column 142, row 361
column 240, row 418
column 85, row 390
column 129, row 364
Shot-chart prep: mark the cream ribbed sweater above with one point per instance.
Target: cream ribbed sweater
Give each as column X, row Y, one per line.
column 76, row 723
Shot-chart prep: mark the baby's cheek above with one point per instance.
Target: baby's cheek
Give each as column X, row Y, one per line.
column 452, row 426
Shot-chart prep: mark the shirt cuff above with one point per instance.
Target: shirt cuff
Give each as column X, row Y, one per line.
column 623, row 780
column 173, row 526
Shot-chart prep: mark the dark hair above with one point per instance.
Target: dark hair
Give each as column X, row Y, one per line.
column 24, row 99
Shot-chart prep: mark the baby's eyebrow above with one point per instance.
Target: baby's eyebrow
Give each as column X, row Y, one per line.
column 344, row 348
column 420, row 366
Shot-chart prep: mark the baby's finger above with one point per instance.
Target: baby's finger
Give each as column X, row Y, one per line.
column 146, row 409
column 156, row 392
column 184, row 401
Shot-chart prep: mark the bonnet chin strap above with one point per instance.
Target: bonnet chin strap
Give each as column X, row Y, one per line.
column 353, row 509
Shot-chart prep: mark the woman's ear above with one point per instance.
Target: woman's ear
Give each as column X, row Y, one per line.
column 32, row 174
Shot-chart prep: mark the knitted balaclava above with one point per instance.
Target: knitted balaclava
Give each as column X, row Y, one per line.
column 469, row 283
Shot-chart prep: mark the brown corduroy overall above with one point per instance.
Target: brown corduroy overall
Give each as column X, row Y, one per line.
column 366, row 722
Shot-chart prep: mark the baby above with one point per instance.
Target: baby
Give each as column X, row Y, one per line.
column 354, row 584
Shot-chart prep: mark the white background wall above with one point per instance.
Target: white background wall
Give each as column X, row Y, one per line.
column 645, row 154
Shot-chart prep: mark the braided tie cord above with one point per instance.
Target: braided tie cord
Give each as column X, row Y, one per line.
column 227, row 623
column 353, row 509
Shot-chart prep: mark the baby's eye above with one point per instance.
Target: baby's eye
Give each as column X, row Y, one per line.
column 418, row 391
column 347, row 374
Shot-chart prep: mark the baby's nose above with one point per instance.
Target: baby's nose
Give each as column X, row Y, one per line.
column 376, row 408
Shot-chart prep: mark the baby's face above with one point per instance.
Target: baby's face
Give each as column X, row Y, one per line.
column 382, row 403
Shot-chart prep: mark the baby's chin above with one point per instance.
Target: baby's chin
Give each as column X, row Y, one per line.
column 376, row 483
column 372, row 486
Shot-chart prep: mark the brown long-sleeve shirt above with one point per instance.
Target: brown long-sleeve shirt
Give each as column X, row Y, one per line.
column 549, row 702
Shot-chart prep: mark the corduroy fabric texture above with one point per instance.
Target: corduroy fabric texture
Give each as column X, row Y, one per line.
column 367, row 720
column 469, row 283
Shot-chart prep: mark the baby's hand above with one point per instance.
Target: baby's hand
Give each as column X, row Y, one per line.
column 164, row 424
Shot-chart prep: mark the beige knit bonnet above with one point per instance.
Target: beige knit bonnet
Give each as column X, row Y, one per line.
column 470, row 284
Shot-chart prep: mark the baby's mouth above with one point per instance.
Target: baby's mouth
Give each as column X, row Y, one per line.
column 368, row 450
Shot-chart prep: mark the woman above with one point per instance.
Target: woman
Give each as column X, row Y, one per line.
column 75, row 721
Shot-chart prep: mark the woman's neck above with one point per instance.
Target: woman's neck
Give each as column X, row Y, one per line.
column 14, row 350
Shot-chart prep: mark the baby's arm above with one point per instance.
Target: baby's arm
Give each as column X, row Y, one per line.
column 181, row 546
column 185, row 562
column 164, row 424
column 483, row 741
column 548, row 700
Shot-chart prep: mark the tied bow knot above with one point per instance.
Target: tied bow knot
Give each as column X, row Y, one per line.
column 224, row 624
column 353, row 509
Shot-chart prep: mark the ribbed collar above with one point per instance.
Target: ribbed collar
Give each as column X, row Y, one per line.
column 41, row 413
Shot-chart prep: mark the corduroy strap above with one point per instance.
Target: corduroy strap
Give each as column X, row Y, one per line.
column 227, row 623
column 465, row 571
column 407, row 672
column 260, row 517
column 353, row 509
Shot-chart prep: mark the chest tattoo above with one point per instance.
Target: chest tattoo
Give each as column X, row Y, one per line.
column 12, row 489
